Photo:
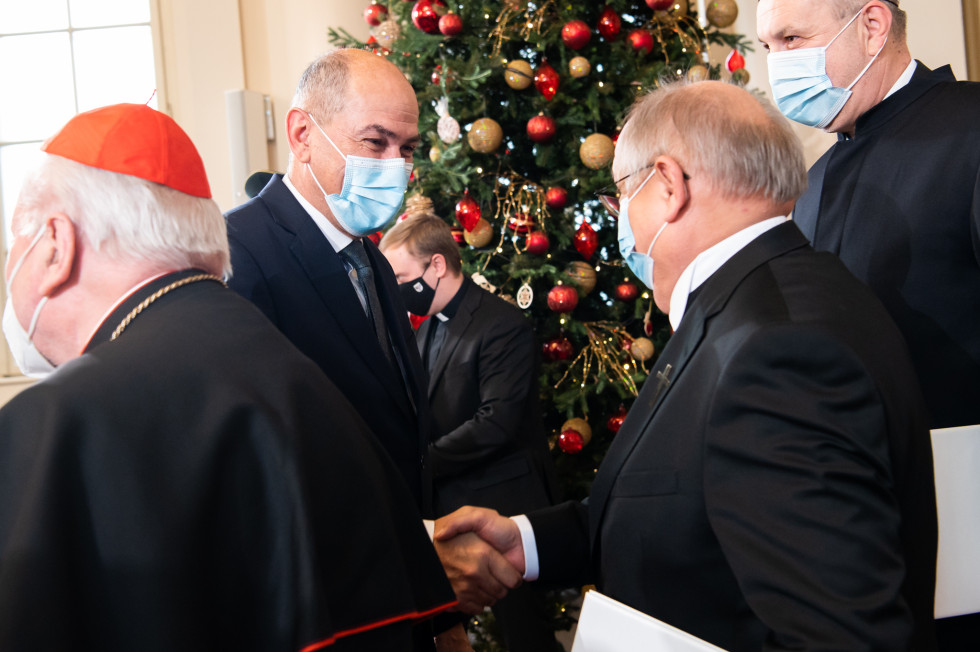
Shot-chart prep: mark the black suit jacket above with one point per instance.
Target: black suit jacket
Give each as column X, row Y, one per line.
column 490, row 448
column 284, row 265
column 777, row 492
column 197, row 484
column 900, row 204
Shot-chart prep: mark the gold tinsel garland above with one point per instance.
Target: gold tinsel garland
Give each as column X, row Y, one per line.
column 603, row 353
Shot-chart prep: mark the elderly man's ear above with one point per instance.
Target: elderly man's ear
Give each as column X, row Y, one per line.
column 675, row 190
column 58, row 245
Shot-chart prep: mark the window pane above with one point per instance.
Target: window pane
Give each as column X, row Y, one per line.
column 40, row 83
column 34, row 16
column 15, row 162
column 101, row 13
column 114, row 65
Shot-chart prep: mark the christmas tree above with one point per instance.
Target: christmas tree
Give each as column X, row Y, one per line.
column 520, row 105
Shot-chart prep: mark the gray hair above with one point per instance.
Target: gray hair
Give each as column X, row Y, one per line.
column 740, row 156
column 322, row 88
column 847, row 8
column 126, row 218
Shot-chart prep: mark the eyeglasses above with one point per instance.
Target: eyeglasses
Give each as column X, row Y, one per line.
column 608, row 196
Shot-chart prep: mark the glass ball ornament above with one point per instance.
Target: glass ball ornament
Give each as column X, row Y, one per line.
column 375, row 13
column 722, row 13
column 642, row 349
column 586, row 240
column 579, row 67
column 596, row 151
column 541, row 128
column 562, row 298
column 575, row 34
column 557, row 349
column 556, row 197
column 387, row 33
column 741, row 76
column 583, row 276
column 546, row 80
column 537, row 243
column 609, row 23
column 641, row 40
column 698, row 73
column 518, row 74
column 579, row 434
column 626, row 291
column 734, row 61
column 450, row 25
column 480, row 235
column 426, row 14
column 615, row 422
column 485, row 135
column 468, row 212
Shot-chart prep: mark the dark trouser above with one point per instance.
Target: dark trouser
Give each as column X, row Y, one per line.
column 523, row 620
column 958, row 634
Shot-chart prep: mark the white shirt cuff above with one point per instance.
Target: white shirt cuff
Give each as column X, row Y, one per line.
column 430, row 527
column 531, row 566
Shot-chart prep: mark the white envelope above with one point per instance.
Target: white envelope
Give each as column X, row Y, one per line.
column 956, row 459
column 606, row 625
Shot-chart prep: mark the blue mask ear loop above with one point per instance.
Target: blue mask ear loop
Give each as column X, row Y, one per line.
column 873, row 59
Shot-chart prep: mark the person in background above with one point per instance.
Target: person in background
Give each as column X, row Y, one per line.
column 489, row 447
column 176, row 480
column 898, row 196
column 771, row 487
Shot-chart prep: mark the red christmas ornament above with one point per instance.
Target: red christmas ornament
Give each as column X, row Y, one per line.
column 571, row 441
column 640, row 39
column 426, row 13
column 586, row 240
column 451, row 24
column 562, row 298
column 556, row 198
column 609, row 23
column 626, row 291
column 541, row 128
column 615, row 422
column 467, row 212
column 458, row 236
column 416, row 320
column 660, row 5
column 557, row 349
column 376, row 236
column 375, row 13
column 537, row 242
column 435, row 74
column 520, row 223
column 546, row 78
column 575, row 34
column 735, row 61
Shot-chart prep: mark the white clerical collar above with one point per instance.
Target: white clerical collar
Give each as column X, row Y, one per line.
column 709, row 261
column 337, row 238
column 903, row 80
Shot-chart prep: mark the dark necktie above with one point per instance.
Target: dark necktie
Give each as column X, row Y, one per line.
column 356, row 256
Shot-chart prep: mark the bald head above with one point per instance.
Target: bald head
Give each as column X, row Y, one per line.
column 326, row 83
column 721, row 133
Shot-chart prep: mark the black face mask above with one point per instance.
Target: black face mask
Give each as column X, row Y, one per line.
column 417, row 294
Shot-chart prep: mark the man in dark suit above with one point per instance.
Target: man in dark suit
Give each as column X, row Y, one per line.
column 300, row 255
column 772, row 486
column 182, row 478
column 489, row 447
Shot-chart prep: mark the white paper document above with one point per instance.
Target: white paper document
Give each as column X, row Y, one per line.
column 956, row 458
column 606, row 625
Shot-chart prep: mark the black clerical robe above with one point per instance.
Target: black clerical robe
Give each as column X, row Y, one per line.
column 198, row 484
column 900, row 204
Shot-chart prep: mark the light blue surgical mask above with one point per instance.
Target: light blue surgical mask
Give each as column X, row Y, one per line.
column 801, row 87
column 639, row 264
column 21, row 342
column 373, row 190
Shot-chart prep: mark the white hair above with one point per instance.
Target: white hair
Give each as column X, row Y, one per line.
column 740, row 156
column 126, row 218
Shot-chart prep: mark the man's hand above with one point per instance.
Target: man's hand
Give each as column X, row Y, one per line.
column 479, row 574
column 499, row 531
column 453, row 640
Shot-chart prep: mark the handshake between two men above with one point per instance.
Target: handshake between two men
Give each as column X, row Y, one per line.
column 483, row 555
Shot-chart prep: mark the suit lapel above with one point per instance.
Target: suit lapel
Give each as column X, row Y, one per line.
column 711, row 299
column 455, row 328
column 328, row 276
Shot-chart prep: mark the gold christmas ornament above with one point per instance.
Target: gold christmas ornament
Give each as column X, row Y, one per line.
column 583, row 276
column 579, row 67
column 597, row 151
column 679, row 8
column 435, row 153
column 581, row 426
column 741, row 76
column 722, row 13
column 641, row 349
column 480, row 235
column 485, row 135
column 518, row 74
column 698, row 73
column 387, row 33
